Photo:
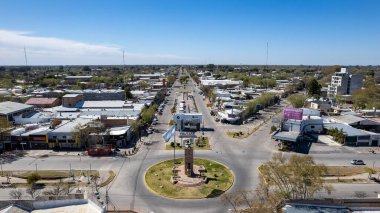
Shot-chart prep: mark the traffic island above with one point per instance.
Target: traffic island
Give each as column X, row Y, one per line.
column 208, row 179
column 201, row 143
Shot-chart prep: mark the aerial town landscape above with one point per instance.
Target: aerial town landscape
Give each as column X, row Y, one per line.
column 89, row 127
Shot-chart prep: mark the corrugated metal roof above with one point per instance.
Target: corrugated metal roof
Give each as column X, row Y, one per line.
column 100, row 104
column 9, row 107
column 347, row 129
column 348, row 119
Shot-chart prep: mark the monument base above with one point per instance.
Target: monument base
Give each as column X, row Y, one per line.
column 182, row 179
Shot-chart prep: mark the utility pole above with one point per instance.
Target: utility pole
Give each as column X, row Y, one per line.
column 36, row 168
column 107, row 199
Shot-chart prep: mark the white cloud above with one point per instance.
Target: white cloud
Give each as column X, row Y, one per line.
column 51, row 51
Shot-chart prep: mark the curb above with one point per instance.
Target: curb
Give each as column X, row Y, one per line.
column 154, row 192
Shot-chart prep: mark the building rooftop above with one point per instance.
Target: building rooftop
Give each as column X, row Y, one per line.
column 41, row 101
column 9, row 107
column 220, row 82
column 63, row 206
column 100, row 104
column 286, row 136
column 332, row 206
column 348, row 119
column 347, row 129
column 110, row 113
column 121, row 130
column 39, row 131
column 68, row 126
column 94, row 91
column 71, row 95
column 79, row 77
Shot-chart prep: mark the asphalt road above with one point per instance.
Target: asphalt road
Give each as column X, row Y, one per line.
column 243, row 157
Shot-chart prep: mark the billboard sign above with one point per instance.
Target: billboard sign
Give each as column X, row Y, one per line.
column 292, row 113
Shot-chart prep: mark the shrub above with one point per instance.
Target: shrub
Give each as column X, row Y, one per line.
column 273, row 128
column 33, row 178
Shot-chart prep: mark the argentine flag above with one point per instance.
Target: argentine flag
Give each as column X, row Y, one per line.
column 169, row 134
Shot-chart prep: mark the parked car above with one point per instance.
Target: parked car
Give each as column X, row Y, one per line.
column 150, row 130
column 154, row 122
column 357, row 162
column 250, row 119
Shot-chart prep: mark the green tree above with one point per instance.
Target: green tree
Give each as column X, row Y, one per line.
column 246, row 81
column 367, row 98
column 171, row 79
column 143, row 85
column 82, row 133
column 297, row 100
column 313, row 88
column 280, row 179
column 128, row 94
column 211, row 95
column 4, row 126
column 86, row 68
column 33, row 178
column 370, row 171
column 337, row 134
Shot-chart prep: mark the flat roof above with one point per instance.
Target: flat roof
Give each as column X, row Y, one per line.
column 10, row 107
column 69, row 126
column 94, row 91
column 39, row 101
column 119, row 130
column 78, row 76
column 71, row 95
column 347, row 129
column 348, row 119
column 111, row 113
column 100, row 104
column 286, row 136
column 43, row 130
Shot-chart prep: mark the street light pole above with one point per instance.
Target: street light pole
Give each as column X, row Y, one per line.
column 1, row 165
column 36, row 168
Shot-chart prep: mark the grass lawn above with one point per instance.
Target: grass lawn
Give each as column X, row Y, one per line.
column 342, row 171
column 221, row 179
column 204, row 146
column 51, row 174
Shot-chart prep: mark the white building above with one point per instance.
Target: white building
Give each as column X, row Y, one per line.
column 188, row 121
column 344, row 83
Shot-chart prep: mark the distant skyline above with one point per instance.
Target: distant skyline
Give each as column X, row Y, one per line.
column 84, row 32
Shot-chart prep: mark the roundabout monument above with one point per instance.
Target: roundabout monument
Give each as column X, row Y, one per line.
column 188, row 177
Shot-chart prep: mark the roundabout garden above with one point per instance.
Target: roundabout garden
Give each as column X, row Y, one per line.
column 208, row 179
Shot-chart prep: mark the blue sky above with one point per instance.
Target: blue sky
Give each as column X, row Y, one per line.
column 323, row 32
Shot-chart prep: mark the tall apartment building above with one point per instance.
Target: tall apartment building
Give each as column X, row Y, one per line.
column 344, row 83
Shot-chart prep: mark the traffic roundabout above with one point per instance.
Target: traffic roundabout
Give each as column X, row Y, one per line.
column 207, row 179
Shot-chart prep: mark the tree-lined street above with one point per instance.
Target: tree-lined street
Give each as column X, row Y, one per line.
column 242, row 156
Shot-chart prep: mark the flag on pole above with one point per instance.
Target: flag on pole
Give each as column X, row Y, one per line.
column 169, row 134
